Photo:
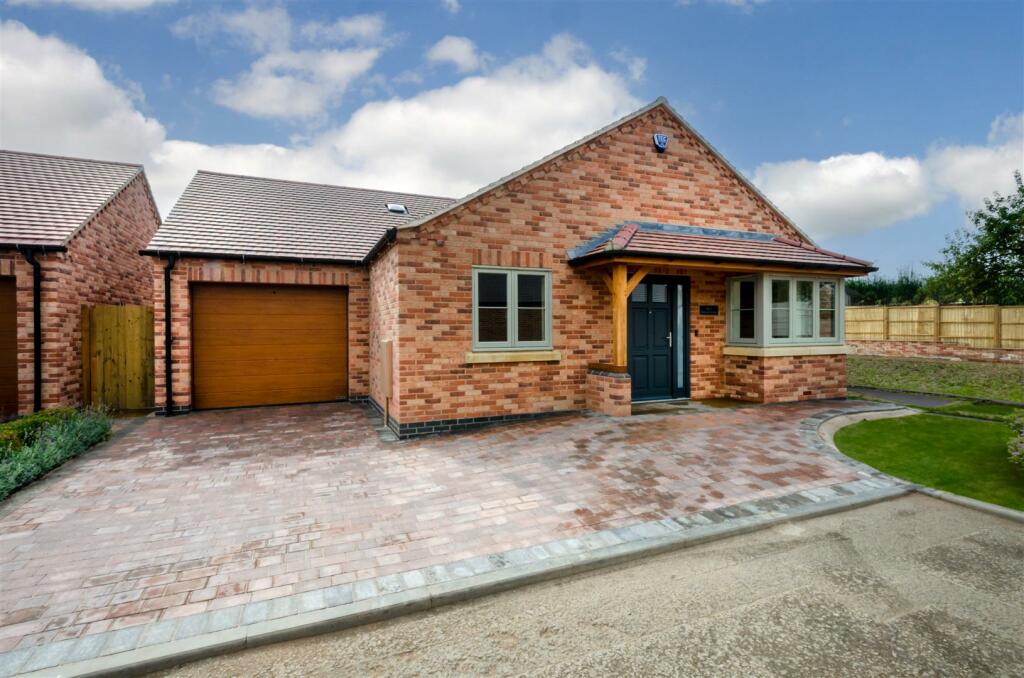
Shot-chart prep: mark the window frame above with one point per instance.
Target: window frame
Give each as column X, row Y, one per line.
column 733, row 332
column 512, row 342
column 763, row 314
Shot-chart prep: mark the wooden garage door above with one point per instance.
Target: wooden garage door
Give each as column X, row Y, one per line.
column 268, row 345
column 8, row 349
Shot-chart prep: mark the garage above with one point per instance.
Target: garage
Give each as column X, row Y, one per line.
column 268, row 344
column 8, row 348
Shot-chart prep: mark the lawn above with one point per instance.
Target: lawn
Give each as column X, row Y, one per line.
column 965, row 457
column 992, row 411
column 999, row 381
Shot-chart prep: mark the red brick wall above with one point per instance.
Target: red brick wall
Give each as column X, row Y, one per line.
column 189, row 271
column 939, row 350
column 532, row 222
column 609, row 393
column 102, row 265
column 784, row 378
column 384, row 300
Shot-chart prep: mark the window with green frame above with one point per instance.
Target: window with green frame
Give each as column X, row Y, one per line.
column 511, row 308
column 779, row 310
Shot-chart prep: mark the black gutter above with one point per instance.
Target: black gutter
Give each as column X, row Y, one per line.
column 612, row 254
column 168, row 372
column 389, row 237
column 184, row 254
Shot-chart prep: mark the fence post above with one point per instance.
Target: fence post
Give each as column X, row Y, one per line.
column 997, row 326
column 938, row 323
column 885, row 323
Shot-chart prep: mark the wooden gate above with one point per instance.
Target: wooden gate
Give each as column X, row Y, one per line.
column 117, row 356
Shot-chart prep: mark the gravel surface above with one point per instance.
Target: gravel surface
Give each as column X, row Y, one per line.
column 908, row 587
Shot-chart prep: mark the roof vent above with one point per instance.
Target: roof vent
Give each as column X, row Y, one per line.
column 397, row 208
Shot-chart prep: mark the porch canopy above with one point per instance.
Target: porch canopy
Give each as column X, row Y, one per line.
column 624, row 255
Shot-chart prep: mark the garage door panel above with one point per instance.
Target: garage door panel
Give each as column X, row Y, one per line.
column 281, row 323
column 243, row 398
column 270, row 366
column 272, row 382
column 218, row 353
column 268, row 344
column 231, row 340
column 279, row 298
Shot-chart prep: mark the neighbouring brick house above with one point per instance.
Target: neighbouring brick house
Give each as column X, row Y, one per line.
column 635, row 264
column 70, row 231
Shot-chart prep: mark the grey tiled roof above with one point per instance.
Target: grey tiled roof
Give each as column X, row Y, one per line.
column 235, row 215
column 45, row 199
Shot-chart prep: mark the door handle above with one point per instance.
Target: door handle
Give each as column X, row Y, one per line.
column 669, row 337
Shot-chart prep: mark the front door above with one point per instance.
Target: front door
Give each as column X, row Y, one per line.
column 651, row 361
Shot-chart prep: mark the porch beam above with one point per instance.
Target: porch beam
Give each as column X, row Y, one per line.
column 607, row 277
column 635, row 279
column 619, row 312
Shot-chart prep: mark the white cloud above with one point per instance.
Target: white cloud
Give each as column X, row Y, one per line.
column 974, row 172
column 849, row 193
column 460, row 51
column 448, row 141
column 258, row 29
column 95, row 5
column 635, row 65
column 292, row 85
column 286, row 82
column 452, row 6
column 855, row 193
column 57, row 100
column 362, row 28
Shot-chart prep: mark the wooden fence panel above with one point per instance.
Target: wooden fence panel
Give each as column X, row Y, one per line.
column 1012, row 326
column 117, row 356
column 975, row 326
column 865, row 323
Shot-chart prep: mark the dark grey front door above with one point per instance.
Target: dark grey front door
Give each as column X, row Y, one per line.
column 651, row 363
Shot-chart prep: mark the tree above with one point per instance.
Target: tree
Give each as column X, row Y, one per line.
column 906, row 288
column 984, row 264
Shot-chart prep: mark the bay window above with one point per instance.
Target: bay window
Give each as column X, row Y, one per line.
column 511, row 308
column 791, row 310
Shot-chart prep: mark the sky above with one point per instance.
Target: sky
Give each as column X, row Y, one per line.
column 874, row 125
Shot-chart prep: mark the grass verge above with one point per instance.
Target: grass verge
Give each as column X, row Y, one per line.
column 998, row 381
column 965, row 457
column 990, row 411
column 32, row 446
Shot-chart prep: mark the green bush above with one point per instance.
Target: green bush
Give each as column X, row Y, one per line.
column 64, row 435
column 1016, row 445
column 19, row 433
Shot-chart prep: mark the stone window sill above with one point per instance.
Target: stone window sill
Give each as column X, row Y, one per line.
column 780, row 351
column 487, row 357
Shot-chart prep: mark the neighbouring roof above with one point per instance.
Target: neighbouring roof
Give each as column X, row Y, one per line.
column 241, row 216
column 45, row 199
column 660, row 101
column 668, row 241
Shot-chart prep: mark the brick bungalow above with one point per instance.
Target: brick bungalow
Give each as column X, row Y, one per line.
column 70, row 234
column 634, row 264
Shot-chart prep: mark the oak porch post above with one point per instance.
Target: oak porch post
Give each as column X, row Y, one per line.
column 619, row 309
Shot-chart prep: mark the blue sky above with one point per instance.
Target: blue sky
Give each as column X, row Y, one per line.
column 874, row 125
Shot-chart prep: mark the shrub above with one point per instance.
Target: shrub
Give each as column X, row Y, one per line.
column 63, row 436
column 1016, row 445
column 24, row 431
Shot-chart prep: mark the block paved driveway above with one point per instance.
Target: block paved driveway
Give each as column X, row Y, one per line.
column 217, row 509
